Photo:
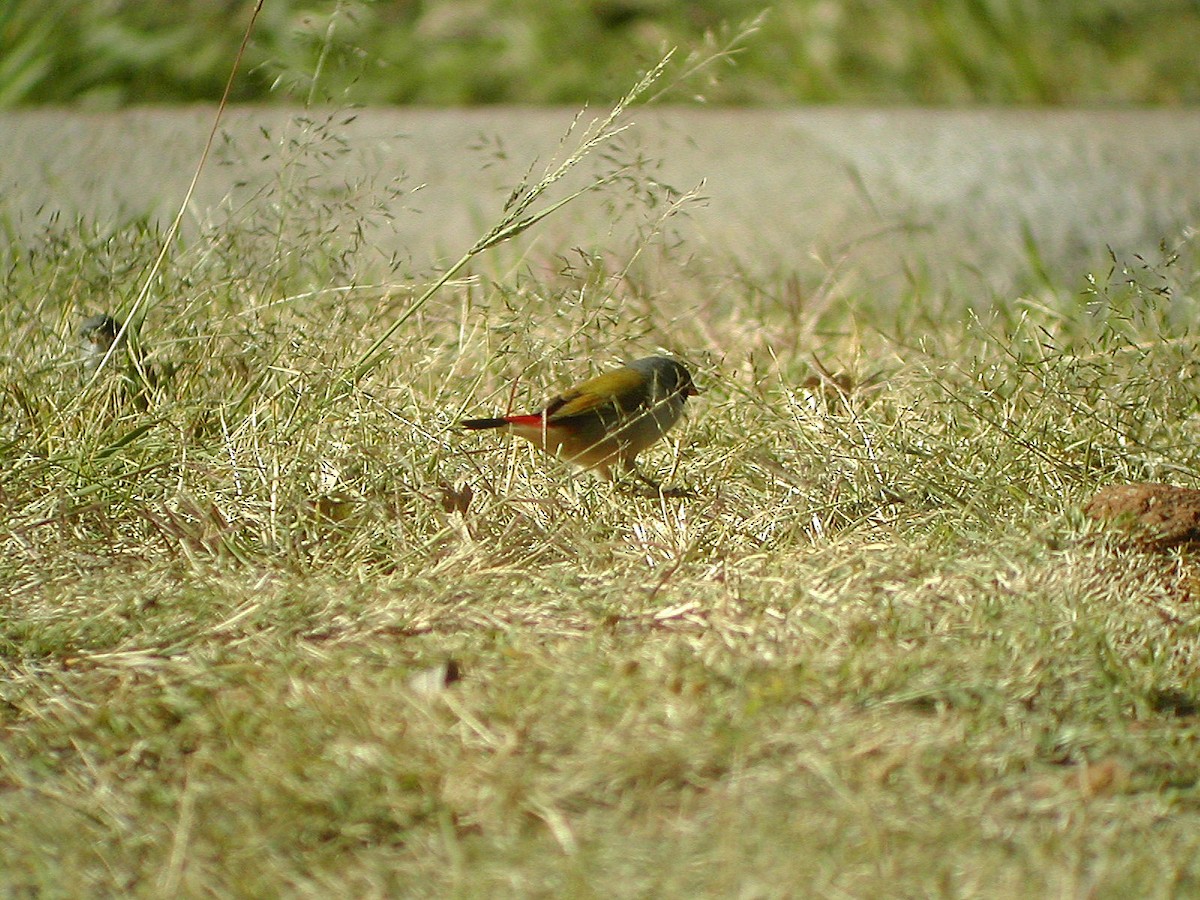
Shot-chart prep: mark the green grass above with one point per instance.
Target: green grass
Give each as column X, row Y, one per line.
column 116, row 52
column 878, row 653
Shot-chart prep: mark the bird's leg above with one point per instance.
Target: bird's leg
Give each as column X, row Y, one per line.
column 629, row 464
column 607, row 473
column 649, row 482
column 657, row 489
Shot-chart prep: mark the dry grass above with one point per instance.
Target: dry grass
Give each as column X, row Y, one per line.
column 877, row 653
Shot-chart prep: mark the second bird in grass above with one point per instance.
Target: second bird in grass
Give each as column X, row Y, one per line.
column 608, row 420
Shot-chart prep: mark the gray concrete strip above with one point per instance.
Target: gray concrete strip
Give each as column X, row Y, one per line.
column 949, row 198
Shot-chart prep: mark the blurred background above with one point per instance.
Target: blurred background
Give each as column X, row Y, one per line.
column 108, row 54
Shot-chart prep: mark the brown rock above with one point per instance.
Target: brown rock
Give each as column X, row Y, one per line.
column 1160, row 514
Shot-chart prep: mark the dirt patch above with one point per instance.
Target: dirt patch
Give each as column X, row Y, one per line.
column 1160, row 515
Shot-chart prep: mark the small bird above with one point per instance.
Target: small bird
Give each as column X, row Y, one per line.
column 97, row 334
column 608, row 420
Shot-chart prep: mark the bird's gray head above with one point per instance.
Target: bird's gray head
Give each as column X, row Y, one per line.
column 99, row 331
column 97, row 335
column 669, row 376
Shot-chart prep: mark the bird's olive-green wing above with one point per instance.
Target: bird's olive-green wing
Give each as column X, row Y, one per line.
column 623, row 387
